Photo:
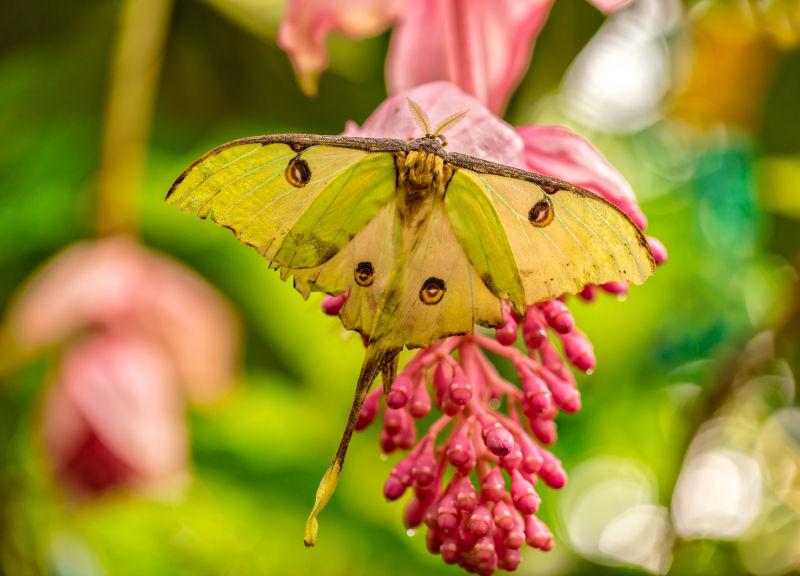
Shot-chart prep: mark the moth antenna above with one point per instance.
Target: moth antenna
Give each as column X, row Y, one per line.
column 419, row 116
column 449, row 122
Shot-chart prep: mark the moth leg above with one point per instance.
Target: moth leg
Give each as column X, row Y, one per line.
column 375, row 361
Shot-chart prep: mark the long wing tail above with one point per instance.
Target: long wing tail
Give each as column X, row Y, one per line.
column 376, row 360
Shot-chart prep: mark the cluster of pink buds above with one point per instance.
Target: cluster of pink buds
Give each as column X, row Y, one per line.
column 474, row 473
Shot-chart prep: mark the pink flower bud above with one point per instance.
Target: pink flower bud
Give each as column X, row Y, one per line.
column 387, row 442
column 558, row 316
column 503, row 516
column 589, row 293
column 516, row 536
column 399, row 479
column 513, row 459
column 531, row 459
column 533, row 328
column 331, row 305
column 497, row 438
column 493, row 487
column 394, row 420
column 537, row 534
column 449, row 407
column 658, row 249
column 537, row 397
column 507, row 333
column 466, row 496
column 407, row 436
column 430, row 518
column 564, row 393
column 480, row 521
column 447, row 513
column 420, row 401
column 414, row 512
column 393, row 488
column 466, row 541
column 544, row 430
column 523, row 494
column 423, row 472
column 510, row 558
column 616, row 288
column 484, row 550
column 434, row 541
column 459, row 450
column 460, row 390
column 449, row 550
column 369, row 410
column 400, row 392
column 551, row 471
column 487, row 567
column 550, row 357
column 579, row 351
column 442, row 376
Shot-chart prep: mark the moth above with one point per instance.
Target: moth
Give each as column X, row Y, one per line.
column 426, row 243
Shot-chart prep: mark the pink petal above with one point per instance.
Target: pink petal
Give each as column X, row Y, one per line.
column 197, row 326
column 87, row 283
column 125, row 390
column 608, row 6
column 480, row 133
column 483, row 46
column 115, row 282
column 558, row 152
column 308, row 22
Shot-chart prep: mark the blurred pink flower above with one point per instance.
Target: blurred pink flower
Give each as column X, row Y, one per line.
column 136, row 332
column 482, row 46
column 492, row 432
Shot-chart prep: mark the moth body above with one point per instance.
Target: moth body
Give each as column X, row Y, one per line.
column 422, row 178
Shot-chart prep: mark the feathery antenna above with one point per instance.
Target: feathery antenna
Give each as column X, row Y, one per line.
column 419, row 117
column 449, row 122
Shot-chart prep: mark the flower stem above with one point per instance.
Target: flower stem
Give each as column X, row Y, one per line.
column 134, row 79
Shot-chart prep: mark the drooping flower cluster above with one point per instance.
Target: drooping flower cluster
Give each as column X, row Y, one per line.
column 137, row 334
column 482, row 514
column 474, row 474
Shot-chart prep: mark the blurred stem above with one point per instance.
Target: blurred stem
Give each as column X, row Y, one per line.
column 134, row 79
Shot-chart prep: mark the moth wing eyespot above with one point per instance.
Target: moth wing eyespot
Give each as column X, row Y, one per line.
column 432, row 291
column 297, row 172
column 364, row 274
column 541, row 213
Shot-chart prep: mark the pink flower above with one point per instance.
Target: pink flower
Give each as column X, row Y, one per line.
column 136, row 333
column 495, row 434
column 482, row 46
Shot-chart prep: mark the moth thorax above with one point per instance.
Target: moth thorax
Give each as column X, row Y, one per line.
column 424, row 169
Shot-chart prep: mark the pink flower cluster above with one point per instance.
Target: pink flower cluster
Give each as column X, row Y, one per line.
column 491, row 433
column 137, row 334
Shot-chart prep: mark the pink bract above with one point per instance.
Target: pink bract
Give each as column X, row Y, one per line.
column 308, row 22
column 483, row 46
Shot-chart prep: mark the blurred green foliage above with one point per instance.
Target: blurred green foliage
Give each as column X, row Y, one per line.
column 257, row 455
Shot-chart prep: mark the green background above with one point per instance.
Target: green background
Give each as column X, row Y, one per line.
column 256, row 456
